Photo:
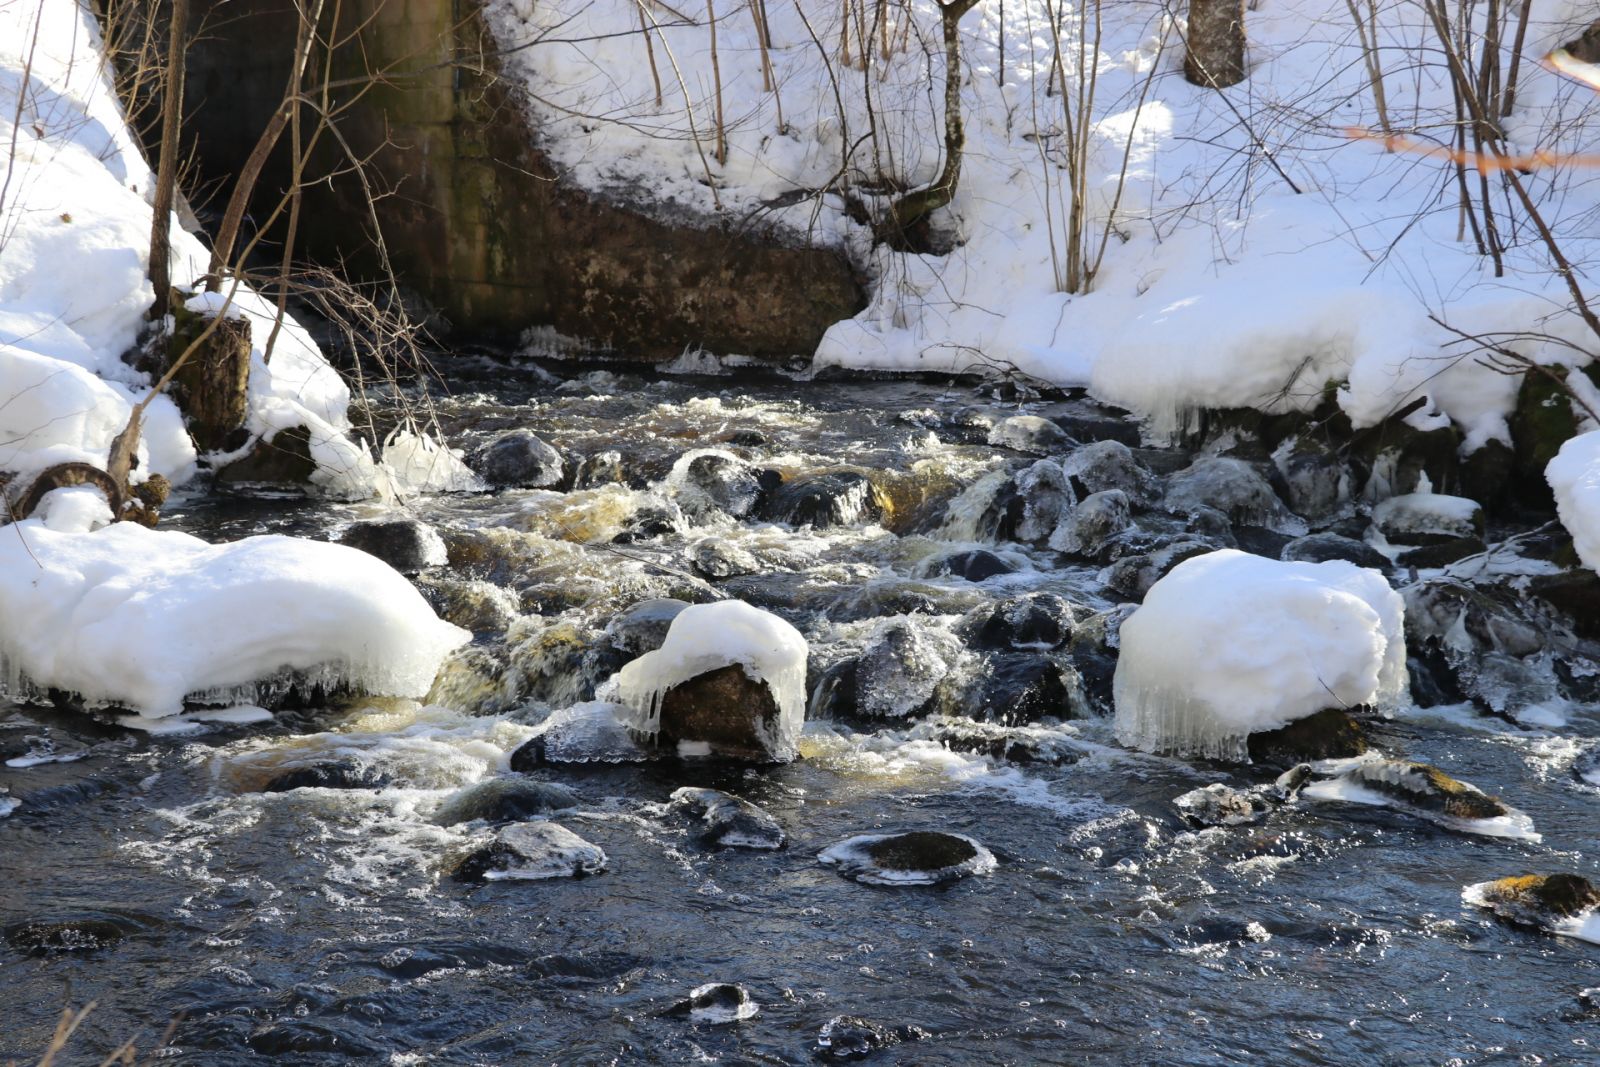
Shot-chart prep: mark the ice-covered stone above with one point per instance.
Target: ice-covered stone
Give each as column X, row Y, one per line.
column 1045, row 496
column 1231, row 486
column 532, row 852
column 1230, row 644
column 1086, row 529
column 899, row 672
column 1565, row 904
column 1222, row 805
column 1030, row 433
column 717, row 557
column 1101, row 466
column 1425, row 791
column 1574, row 476
column 1315, row 482
column 1427, row 519
column 592, row 732
column 917, row 857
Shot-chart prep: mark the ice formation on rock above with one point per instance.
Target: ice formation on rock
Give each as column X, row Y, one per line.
column 1574, row 475
column 1229, row 644
column 706, row 637
column 130, row 617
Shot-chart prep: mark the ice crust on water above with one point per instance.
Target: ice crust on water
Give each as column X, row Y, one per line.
column 706, row 637
column 130, row 617
column 1230, row 644
column 1574, row 475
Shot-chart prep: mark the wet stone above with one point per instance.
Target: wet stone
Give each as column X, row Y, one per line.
column 899, row 672
column 481, row 607
column 519, row 459
column 713, row 484
column 1033, row 620
column 1329, row 734
column 917, row 857
column 649, row 523
column 1132, row 576
column 828, row 498
column 1442, row 554
column 327, row 774
column 69, row 935
column 1221, row 805
column 714, row 557
column 1322, row 547
column 731, row 822
column 724, row 713
column 1538, row 900
column 1015, row 744
column 1015, row 688
column 1426, row 788
column 643, row 627
column 1037, row 499
column 1311, row 478
column 602, row 468
column 1212, row 525
column 973, row 565
column 502, row 800
column 530, row 852
column 407, row 545
column 844, row 1038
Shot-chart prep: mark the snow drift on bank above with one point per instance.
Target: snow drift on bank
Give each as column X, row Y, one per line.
column 1230, row 644
column 1574, row 475
column 130, row 617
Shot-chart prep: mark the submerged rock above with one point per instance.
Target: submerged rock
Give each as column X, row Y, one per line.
column 532, row 851
column 730, row 821
column 1560, row 903
column 850, row 1037
column 593, row 732
column 712, row 484
column 481, row 607
column 827, row 498
column 1231, row 486
column 504, row 800
column 1016, row 744
column 717, row 1004
column 1427, row 791
column 1221, row 805
column 407, row 545
column 715, row 557
column 519, row 459
column 69, row 935
column 327, row 774
column 973, row 565
column 917, row 857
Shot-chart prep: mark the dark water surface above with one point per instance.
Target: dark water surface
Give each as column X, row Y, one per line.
column 321, row 926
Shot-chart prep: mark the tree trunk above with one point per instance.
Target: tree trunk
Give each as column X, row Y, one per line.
column 1215, row 56
column 167, row 166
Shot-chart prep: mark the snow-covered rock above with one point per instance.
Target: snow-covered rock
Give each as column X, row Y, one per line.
column 1229, row 644
column 130, row 617
column 1574, row 475
column 708, row 637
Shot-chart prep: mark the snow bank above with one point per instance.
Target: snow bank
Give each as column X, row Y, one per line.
column 139, row 619
column 74, row 236
column 1229, row 644
column 1258, row 253
column 1574, row 475
column 707, row 637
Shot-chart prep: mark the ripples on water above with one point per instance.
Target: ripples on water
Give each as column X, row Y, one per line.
column 317, row 926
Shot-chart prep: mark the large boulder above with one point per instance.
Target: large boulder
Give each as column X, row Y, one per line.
column 519, row 459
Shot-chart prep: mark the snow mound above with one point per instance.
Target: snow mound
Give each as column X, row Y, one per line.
column 130, row 617
column 1574, row 475
column 707, row 637
column 1229, row 644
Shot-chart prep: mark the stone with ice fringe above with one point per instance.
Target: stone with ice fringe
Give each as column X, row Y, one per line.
column 1425, row 791
column 1231, row 486
column 1229, row 644
column 129, row 617
column 705, row 638
column 730, row 821
column 899, row 672
column 532, row 852
column 1427, row 519
column 1565, row 904
column 1104, row 465
column 917, row 857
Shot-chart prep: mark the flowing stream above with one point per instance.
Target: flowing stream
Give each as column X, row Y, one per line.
column 322, row 925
